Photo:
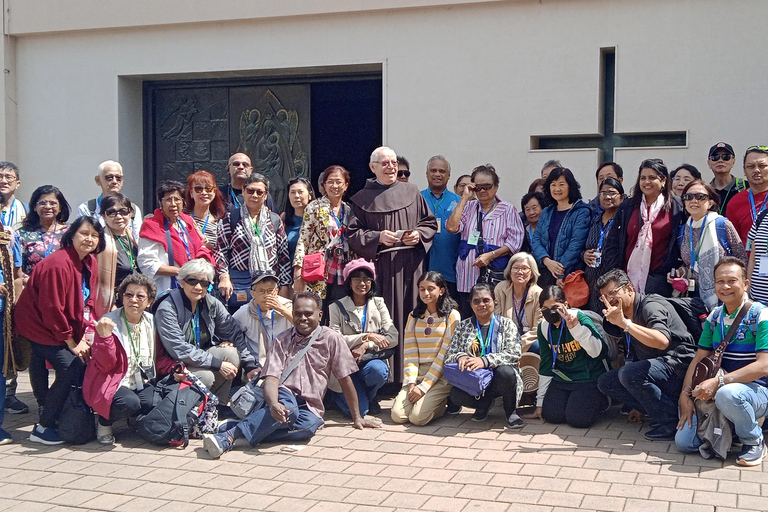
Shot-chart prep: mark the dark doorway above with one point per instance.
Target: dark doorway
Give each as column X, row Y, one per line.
column 294, row 126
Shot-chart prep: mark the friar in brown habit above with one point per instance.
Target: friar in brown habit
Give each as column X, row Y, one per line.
column 392, row 226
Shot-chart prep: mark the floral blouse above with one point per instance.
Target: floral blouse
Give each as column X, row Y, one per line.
column 36, row 245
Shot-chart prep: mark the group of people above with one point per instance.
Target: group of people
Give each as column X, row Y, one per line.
column 326, row 303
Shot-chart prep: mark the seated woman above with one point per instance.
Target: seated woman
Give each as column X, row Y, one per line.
column 486, row 340
column 517, row 298
column 57, row 307
column 265, row 316
column 428, row 333
column 122, row 363
column 169, row 238
column 573, row 356
column 120, row 254
column 363, row 321
column 195, row 329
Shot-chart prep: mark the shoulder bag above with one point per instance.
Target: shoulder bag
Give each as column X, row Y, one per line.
column 371, row 353
column 708, row 367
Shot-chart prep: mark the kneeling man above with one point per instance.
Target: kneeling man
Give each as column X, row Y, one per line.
column 293, row 410
column 740, row 393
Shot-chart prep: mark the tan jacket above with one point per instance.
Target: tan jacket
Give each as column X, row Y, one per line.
column 532, row 315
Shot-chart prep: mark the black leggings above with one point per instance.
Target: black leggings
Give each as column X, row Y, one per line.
column 128, row 402
column 502, row 384
column 69, row 372
column 576, row 403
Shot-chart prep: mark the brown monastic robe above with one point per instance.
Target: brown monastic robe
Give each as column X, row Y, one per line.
column 398, row 268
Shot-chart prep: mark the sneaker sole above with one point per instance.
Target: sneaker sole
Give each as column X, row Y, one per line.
column 479, row 420
column 17, row 411
column 749, row 463
column 516, row 425
column 212, row 447
column 7, row 440
column 35, row 439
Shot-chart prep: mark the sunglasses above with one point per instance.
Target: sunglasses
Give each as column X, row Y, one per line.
column 255, row 192
column 757, row 148
column 428, row 329
column 200, row 190
column 400, row 174
column 204, row 283
column 698, row 196
column 725, row 156
column 121, row 211
column 484, row 186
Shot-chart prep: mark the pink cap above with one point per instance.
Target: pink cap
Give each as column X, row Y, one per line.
column 359, row 264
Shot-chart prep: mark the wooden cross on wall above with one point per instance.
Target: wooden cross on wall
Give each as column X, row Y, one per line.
column 608, row 139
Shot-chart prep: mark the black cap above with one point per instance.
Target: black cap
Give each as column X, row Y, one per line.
column 721, row 145
column 261, row 276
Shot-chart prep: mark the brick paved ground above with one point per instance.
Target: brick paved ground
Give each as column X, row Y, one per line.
column 451, row 465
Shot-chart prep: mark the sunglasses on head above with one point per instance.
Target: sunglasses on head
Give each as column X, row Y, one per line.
column 204, row 283
column 400, row 174
column 698, row 196
column 725, row 156
column 757, row 148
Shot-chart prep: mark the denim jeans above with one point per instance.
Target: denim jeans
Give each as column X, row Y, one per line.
column 743, row 404
column 371, row 376
column 650, row 386
column 686, row 439
column 260, row 426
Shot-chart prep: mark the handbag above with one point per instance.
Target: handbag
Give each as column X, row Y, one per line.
column 76, row 423
column 473, row 382
column 250, row 397
column 488, row 274
column 371, row 353
column 576, row 289
column 709, row 366
column 313, row 268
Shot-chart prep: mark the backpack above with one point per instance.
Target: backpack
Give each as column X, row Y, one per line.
column 691, row 310
column 751, row 319
column 76, row 423
column 175, row 410
column 722, row 234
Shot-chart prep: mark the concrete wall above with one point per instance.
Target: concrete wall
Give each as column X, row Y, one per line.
column 470, row 80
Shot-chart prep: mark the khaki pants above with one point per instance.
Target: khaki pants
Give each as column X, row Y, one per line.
column 430, row 406
column 215, row 381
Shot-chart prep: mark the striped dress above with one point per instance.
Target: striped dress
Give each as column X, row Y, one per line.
column 422, row 348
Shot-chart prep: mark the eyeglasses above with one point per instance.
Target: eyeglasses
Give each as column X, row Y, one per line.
column 479, row 302
column 140, row 297
column 520, row 270
column 698, row 196
column 725, row 156
column 113, row 212
column 200, row 190
column 10, row 178
column 484, row 186
column 114, row 177
column 263, row 291
column 387, row 163
column 255, row 192
column 609, row 194
column 358, row 280
column 757, row 148
column 240, row 164
column 614, row 292
column 204, row 283
column 43, row 204
column 428, row 329
column 172, row 199
column 400, row 174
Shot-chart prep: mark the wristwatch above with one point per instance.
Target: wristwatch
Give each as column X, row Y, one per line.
column 720, row 378
column 629, row 324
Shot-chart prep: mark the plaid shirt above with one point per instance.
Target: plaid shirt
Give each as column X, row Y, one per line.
column 233, row 249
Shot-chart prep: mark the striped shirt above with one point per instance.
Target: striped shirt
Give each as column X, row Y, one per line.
column 501, row 227
column 752, row 337
column 758, row 241
column 420, row 348
column 210, row 232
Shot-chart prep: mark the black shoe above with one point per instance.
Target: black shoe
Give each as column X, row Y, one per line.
column 452, row 409
column 15, row 406
column 481, row 414
column 661, row 433
column 374, row 408
column 515, row 421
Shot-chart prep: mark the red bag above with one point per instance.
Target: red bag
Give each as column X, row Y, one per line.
column 576, row 289
column 313, row 268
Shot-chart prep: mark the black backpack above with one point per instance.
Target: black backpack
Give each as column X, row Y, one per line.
column 692, row 312
column 176, row 407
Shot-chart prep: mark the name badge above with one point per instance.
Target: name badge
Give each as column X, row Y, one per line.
column 763, row 268
column 749, row 245
column 473, row 238
column 138, row 380
column 439, row 224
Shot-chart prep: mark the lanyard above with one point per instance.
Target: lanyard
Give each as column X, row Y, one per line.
column 555, row 350
column 603, row 231
column 751, row 197
column 436, row 204
column 235, row 200
column 256, row 228
column 365, row 317
column 11, row 215
column 128, row 251
column 485, row 214
column 484, row 342
column 98, row 204
column 340, row 223
column 520, row 314
column 271, row 332
column 695, row 253
column 136, row 353
column 196, row 326
column 530, row 233
column 205, row 224
column 627, row 357
column 86, row 291
column 49, row 249
column 184, row 237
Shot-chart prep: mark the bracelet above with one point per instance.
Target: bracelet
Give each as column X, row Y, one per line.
column 720, row 379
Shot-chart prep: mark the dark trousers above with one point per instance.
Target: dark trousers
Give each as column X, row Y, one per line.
column 69, row 372
column 503, row 384
column 38, row 377
column 465, row 308
column 127, row 403
column 260, row 426
column 650, row 386
column 576, row 403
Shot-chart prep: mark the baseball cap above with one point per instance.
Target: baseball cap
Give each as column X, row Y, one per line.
column 721, row 145
column 262, row 276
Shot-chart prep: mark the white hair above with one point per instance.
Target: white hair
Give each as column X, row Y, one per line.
column 378, row 151
column 109, row 163
column 196, row 267
column 528, row 258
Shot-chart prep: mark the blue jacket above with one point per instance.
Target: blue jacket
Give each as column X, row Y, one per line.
column 570, row 239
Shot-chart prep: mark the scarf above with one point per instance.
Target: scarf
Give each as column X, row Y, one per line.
column 9, row 361
column 258, row 259
column 707, row 250
column 153, row 228
column 639, row 262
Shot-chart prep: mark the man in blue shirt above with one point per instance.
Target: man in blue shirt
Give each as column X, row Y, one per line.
column 441, row 201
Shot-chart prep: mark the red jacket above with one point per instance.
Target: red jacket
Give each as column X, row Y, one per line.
column 50, row 310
